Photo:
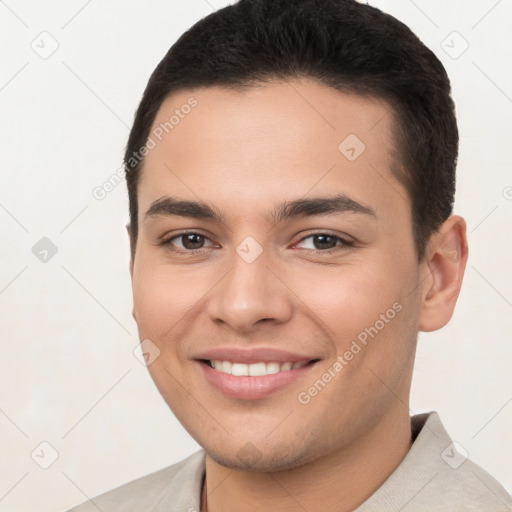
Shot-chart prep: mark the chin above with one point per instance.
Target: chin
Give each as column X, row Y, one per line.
column 250, row 458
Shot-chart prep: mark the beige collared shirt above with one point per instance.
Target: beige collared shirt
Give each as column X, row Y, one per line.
column 434, row 476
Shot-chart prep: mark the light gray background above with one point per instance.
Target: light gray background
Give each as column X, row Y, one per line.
column 68, row 374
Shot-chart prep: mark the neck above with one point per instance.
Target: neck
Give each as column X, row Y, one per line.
column 341, row 480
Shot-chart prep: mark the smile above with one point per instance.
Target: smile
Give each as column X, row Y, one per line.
column 254, row 380
column 257, row 369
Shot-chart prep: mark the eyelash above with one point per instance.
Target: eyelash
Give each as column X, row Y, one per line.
column 344, row 242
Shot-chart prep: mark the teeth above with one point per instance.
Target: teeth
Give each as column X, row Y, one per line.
column 272, row 368
column 224, row 366
column 255, row 369
column 239, row 369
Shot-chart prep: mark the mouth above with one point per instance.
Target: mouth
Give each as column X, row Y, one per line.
column 257, row 369
column 255, row 380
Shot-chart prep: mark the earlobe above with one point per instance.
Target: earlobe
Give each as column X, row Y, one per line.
column 446, row 258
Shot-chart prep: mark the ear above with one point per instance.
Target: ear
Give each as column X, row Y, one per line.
column 131, row 263
column 443, row 270
column 131, row 249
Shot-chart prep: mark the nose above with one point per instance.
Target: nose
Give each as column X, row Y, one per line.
column 250, row 294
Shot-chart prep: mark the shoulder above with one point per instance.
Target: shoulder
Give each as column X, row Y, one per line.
column 455, row 480
column 471, row 487
column 178, row 485
column 437, row 475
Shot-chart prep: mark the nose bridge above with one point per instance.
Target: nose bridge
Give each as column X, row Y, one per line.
column 250, row 291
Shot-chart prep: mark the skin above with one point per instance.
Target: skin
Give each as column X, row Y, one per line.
column 243, row 153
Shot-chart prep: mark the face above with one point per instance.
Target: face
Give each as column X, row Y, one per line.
column 248, row 283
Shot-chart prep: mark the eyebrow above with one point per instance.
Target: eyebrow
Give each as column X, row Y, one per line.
column 341, row 203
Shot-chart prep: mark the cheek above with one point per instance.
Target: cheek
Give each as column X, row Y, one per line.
column 348, row 299
column 161, row 297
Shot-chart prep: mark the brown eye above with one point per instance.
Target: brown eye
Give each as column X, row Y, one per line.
column 192, row 241
column 185, row 242
column 325, row 242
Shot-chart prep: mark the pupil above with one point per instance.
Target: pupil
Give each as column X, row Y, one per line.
column 189, row 240
column 324, row 237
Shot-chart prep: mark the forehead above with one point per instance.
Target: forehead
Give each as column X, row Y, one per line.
column 263, row 142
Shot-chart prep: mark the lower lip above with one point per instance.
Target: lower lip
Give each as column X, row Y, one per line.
column 252, row 388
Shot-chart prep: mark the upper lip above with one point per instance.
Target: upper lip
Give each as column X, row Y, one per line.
column 252, row 355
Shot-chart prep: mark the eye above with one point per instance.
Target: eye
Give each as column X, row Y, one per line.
column 326, row 242
column 190, row 241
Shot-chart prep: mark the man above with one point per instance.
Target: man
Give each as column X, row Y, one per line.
column 291, row 175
